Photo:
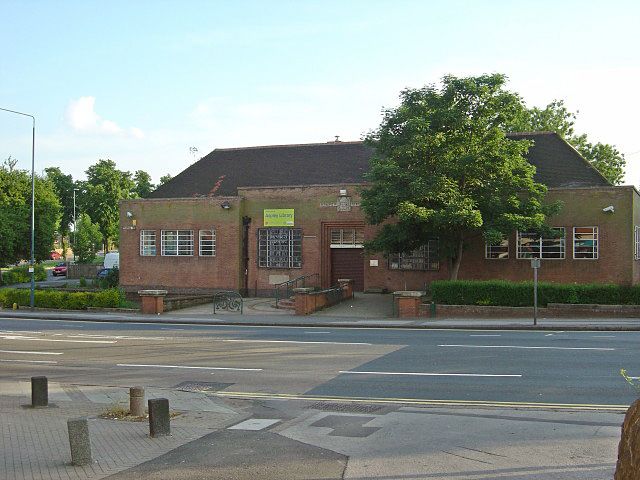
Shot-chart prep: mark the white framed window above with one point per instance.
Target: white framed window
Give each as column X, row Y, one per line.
column 497, row 251
column 347, row 238
column 177, row 243
column 531, row 245
column 280, row 247
column 423, row 258
column 147, row 243
column 636, row 243
column 207, row 243
column 585, row 242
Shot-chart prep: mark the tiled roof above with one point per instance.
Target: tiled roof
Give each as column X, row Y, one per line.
column 224, row 170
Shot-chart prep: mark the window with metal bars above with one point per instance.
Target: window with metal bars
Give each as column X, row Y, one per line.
column 423, row 258
column 280, row 247
column 532, row 245
column 207, row 243
column 347, row 237
column 147, row 243
column 177, row 243
column 585, row 242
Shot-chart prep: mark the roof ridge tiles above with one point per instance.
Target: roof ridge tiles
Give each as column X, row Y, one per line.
column 255, row 147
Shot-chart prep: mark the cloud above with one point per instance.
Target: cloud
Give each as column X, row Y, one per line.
column 82, row 117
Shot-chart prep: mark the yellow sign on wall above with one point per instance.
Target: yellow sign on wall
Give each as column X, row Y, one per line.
column 278, row 217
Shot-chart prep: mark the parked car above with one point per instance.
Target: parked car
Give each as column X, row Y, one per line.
column 60, row 269
column 103, row 273
column 55, row 255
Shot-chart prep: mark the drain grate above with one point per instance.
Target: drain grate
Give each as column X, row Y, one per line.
column 348, row 407
column 202, row 386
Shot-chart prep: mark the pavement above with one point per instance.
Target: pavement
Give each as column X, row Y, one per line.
column 363, row 311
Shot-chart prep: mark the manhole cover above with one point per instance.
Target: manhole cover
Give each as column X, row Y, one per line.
column 202, row 386
column 347, row 407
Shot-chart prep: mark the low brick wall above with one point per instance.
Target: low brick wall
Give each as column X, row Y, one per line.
column 178, row 302
column 552, row 310
column 312, row 301
column 82, row 270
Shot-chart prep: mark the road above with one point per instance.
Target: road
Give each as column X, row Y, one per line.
column 535, row 404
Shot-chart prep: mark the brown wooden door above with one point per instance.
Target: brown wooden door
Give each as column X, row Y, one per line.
column 348, row 263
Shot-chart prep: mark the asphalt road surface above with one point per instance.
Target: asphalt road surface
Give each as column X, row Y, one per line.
column 458, row 367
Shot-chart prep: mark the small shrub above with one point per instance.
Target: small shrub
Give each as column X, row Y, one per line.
column 21, row 274
column 111, row 298
column 82, row 282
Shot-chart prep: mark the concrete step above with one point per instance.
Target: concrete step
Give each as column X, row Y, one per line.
column 286, row 304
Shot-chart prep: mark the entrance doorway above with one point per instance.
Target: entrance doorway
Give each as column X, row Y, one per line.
column 348, row 263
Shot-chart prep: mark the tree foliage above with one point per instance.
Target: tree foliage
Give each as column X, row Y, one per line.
column 87, row 239
column 63, row 186
column 165, row 178
column 15, row 215
column 143, row 185
column 557, row 118
column 104, row 188
column 444, row 168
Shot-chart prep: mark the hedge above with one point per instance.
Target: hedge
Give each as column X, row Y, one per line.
column 520, row 294
column 111, row 298
column 21, row 274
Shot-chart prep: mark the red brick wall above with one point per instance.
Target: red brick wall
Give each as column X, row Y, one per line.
column 181, row 274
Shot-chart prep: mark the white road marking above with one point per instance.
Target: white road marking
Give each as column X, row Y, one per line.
column 255, row 424
column 115, row 337
column 2, row 332
column 29, row 361
column 31, row 353
column 170, row 328
column 485, row 335
column 316, row 332
column 533, row 348
column 421, row 374
column 549, row 335
column 33, row 339
column 189, row 367
column 603, row 336
column 294, row 341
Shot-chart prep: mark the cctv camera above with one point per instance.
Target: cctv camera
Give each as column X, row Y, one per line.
column 608, row 209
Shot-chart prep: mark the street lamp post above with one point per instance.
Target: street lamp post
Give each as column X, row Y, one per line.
column 32, row 262
column 74, row 224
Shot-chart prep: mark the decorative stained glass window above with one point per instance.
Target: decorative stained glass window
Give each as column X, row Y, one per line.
column 280, row 247
column 423, row 258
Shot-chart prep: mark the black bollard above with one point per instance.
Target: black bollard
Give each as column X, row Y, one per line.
column 159, row 424
column 39, row 392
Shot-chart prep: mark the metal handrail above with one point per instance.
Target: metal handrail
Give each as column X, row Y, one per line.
column 291, row 284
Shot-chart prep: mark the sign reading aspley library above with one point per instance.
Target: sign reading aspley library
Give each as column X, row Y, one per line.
column 278, row 217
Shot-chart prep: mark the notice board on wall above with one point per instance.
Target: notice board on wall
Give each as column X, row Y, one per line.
column 278, row 217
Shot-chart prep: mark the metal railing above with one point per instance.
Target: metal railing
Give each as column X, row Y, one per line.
column 287, row 287
column 227, row 300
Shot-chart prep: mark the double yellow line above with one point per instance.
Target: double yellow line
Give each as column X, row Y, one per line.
column 424, row 402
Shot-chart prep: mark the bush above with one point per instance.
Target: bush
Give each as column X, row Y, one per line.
column 21, row 274
column 111, row 298
column 520, row 294
column 112, row 280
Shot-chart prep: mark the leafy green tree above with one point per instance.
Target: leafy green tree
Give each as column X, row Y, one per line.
column 87, row 239
column 555, row 117
column 165, row 178
column 63, row 186
column 443, row 168
column 143, row 184
column 104, row 188
column 15, row 215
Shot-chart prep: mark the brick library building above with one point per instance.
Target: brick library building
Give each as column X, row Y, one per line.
column 248, row 219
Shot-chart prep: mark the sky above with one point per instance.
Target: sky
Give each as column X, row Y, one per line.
column 146, row 83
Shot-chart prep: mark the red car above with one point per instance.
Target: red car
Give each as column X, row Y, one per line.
column 60, row 269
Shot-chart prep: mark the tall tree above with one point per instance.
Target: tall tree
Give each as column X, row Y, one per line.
column 444, row 168
column 87, row 239
column 15, row 215
column 105, row 187
column 557, row 118
column 143, row 184
column 165, row 178
column 63, row 186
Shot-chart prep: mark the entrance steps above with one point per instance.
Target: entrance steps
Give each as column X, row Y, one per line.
column 287, row 304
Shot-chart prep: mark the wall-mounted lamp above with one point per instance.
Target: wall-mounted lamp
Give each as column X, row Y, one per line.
column 609, row 209
column 225, row 205
column 129, row 215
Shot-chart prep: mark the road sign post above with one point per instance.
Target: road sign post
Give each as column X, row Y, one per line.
column 535, row 264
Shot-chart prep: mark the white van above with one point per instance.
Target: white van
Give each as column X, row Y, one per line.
column 112, row 260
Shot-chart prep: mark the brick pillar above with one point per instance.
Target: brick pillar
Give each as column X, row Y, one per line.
column 407, row 303
column 305, row 302
column 152, row 301
column 347, row 287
